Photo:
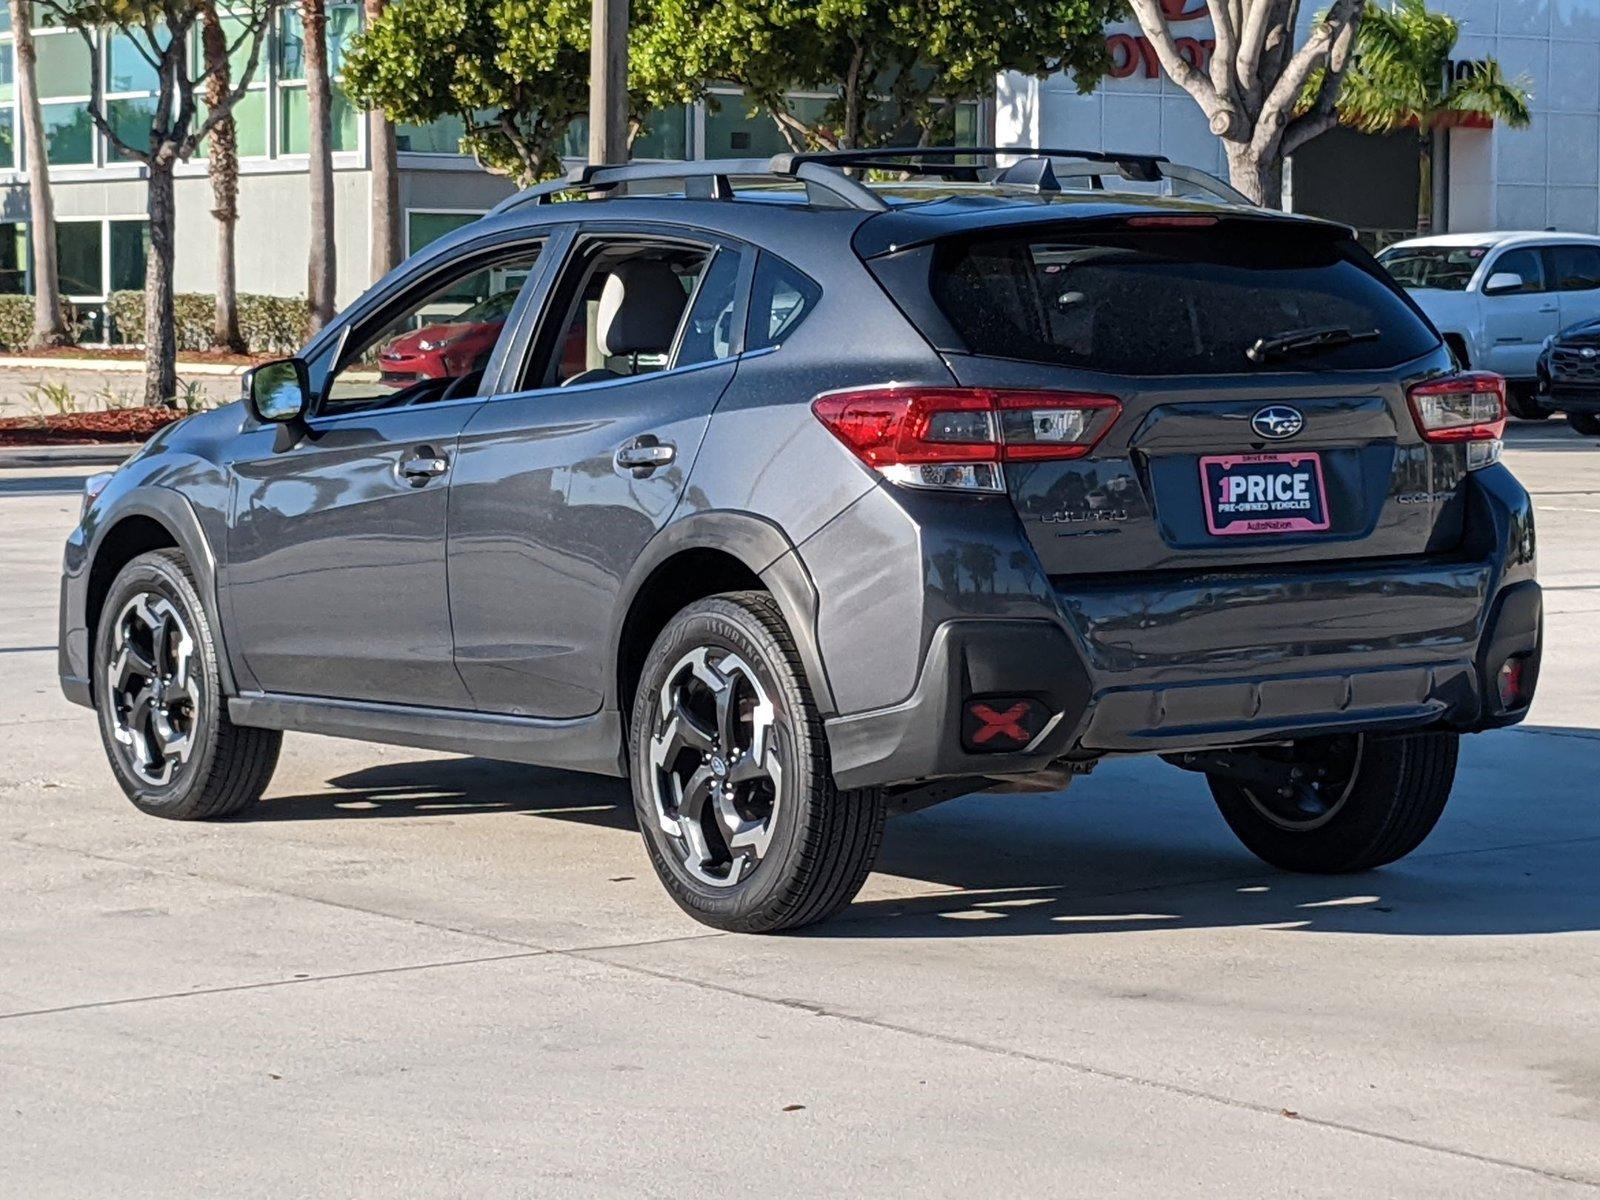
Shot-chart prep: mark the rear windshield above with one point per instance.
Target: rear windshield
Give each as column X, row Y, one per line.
column 1169, row 301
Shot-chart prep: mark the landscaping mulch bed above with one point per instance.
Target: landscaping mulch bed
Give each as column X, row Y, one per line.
column 134, row 355
column 99, row 428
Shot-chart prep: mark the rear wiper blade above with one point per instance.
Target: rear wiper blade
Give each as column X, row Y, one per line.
column 1302, row 341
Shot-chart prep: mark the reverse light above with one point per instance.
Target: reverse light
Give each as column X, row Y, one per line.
column 958, row 438
column 1468, row 407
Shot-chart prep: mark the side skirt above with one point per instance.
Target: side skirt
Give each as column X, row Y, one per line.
column 591, row 744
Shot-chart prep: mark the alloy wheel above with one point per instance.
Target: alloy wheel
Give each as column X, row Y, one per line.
column 152, row 689
column 1321, row 776
column 716, row 771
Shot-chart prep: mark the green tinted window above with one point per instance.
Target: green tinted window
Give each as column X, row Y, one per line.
column 69, row 134
column 425, row 227
column 8, row 138
column 436, row 137
column 78, row 258
column 128, row 69
column 13, row 258
column 344, row 22
column 249, row 123
column 63, row 65
column 130, row 120
column 130, row 247
column 294, row 122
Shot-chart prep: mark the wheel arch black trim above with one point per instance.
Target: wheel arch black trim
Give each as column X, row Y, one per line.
column 173, row 512
column 762, row 547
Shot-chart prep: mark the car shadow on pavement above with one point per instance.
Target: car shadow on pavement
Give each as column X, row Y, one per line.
column 1137, row 847
column 457, row 786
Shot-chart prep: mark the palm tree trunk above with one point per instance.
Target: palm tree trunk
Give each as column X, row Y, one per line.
column 224, row 170
column 321, row 269
column 160, row 328
column 385, row 177
column 48, row 327
column 1425, row 183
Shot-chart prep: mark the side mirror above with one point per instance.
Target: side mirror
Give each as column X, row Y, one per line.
column 277, row 391
column 1502, row 282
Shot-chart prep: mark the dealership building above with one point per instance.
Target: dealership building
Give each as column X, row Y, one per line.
column 1544, row 176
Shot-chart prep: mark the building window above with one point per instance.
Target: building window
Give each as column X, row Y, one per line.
column 13, row 258
column 732, row 130
column 423, row 226
column 442, row 136
column 294, row 123
column 64, row 66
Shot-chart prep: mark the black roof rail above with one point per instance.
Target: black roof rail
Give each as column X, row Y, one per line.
column 823, row 173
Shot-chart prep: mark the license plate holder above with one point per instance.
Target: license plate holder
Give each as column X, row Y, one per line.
column 1264, row 494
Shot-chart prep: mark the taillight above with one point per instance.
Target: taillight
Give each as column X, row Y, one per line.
column 1469, row 407
column 937, row 437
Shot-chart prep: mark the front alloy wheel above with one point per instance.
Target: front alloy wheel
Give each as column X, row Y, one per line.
column 152, row 689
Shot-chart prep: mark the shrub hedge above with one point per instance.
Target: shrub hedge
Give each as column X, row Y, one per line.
column 269, row 324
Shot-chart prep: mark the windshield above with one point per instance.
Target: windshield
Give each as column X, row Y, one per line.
column 493, row 310
column 1164, row 302
column 1445, row 268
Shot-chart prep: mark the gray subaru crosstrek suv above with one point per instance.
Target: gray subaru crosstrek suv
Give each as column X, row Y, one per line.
column 798, row 500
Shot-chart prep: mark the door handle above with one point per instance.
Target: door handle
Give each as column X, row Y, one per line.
column 646, row 453
column 1551, row 309
column 424, row 464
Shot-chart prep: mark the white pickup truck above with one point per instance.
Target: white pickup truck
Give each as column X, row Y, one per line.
column 1497, row 297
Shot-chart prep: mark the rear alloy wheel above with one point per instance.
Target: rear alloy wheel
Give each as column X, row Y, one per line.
column 731, row 779
column 162, row 716
column 1340, row 804
column 1586, row 424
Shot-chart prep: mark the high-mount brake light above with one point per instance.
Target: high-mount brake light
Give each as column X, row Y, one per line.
column 958, row 438
column 1170, row 221
column 1468, row 407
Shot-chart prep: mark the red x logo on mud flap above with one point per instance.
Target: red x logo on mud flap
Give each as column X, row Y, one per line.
column 1006, row 724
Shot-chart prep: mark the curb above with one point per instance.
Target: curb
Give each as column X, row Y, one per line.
column 84, row 454
column 114, row 366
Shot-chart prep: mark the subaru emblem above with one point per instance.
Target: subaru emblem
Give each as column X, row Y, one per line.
column 1278, row 421
column 1589, row 352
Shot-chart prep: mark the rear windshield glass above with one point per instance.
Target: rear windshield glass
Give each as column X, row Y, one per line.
column 1444, row 268
column 1169, row 301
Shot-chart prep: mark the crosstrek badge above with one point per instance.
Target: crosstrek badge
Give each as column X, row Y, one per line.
column 1264, row 493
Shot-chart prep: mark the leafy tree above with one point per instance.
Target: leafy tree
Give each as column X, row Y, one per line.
column 516, row 73
column 49, row 328
column 1402, row 78
column 161, row 31
column 1253, row 93
column 900, row 67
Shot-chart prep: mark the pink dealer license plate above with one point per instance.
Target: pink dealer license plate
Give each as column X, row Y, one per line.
column 1264, row 493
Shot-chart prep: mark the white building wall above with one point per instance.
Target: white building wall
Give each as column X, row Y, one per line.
column 1546, row 175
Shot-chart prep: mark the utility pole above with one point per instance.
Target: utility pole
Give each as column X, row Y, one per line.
column 608, row 82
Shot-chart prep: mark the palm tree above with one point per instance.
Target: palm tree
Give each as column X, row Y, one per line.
column 49, row 329
column 385, row 176
column 223, row 167
column 1402, row 77
column 321, row 269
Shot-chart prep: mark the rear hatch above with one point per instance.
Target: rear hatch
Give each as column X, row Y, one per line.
column 1231, row 449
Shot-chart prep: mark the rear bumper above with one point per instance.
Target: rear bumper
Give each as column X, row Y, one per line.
column 1161, row 664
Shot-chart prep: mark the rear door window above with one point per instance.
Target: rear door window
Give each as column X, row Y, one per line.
column 1170, row 301
column 1576, row 268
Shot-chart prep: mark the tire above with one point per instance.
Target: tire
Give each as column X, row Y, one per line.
column 1522, row 402
column 1586, row 424
column 154, row 612
column 1390, row 795
column 763, row 841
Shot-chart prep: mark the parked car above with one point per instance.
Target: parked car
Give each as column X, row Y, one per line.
column 1569, row 376
column 1498, row 297
column 448, row 346
column 804, row 503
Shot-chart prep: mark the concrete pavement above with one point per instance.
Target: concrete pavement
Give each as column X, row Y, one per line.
column 417, row 974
